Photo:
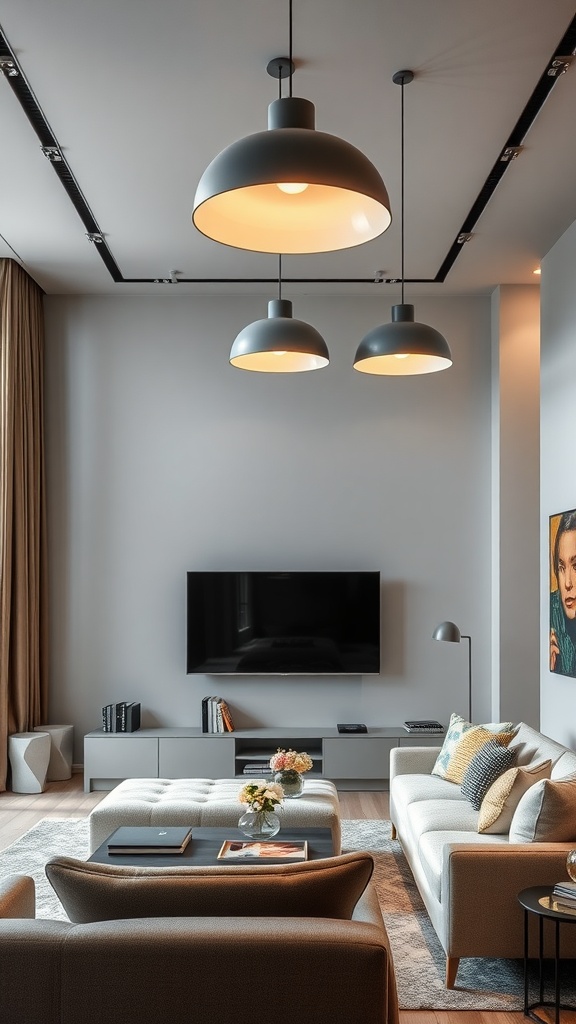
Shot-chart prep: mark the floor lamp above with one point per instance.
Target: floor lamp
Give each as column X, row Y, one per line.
column 449, row 631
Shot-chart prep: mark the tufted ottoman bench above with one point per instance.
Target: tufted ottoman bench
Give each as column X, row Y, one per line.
column 207, row 803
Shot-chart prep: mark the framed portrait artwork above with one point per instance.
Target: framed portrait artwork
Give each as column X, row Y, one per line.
column 563, row 593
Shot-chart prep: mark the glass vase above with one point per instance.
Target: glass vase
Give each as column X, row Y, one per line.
column 259, row 824
column 571, row 864
column 291, row 781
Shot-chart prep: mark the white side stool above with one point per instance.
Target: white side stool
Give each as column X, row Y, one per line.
column 29, row 754
column 61, row 744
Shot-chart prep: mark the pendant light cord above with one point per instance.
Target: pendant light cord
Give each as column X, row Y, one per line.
column 402, row 191
column 280, row 275
column 290, row 45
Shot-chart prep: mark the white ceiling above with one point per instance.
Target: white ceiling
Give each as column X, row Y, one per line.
column 142, row 94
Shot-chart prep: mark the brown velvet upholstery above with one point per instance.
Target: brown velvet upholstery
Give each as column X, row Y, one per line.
column 316, row 888
column 205, row 970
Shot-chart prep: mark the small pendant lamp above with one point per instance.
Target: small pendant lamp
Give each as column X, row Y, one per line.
column 404, row 346
column 279, row 344
column 291, row 189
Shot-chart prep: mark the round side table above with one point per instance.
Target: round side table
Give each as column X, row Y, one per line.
column 29, row 754
column 538, row 902
column 61, row 742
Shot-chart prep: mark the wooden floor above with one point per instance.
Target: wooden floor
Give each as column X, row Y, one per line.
column 19, row 812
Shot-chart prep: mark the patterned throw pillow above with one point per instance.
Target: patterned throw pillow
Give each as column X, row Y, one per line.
column 546, row 813
column 471, row 743
column 457, row 728
column 485, row 767
column 504, row 795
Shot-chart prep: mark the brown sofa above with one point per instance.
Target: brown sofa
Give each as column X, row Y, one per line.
column 214, row 969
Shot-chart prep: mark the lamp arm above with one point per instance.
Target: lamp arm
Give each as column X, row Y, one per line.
column 464, row 636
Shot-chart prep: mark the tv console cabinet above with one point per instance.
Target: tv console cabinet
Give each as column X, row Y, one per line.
column 351, row 761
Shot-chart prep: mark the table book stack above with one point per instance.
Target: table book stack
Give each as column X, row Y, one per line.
column 564, row 895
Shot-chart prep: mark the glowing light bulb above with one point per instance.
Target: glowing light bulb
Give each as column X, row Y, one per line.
column 292, row 187
column 401, row 355
column 280, row 353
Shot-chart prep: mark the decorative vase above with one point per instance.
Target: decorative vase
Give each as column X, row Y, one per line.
column 571, row 864
column 291, row 781
column 259, row 824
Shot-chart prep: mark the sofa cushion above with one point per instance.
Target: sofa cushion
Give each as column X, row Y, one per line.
column 457, row 728
column 316, row 888
column 532, row 747
column 432, row 853
column 491, row 760
column 546, row 813
column 565, row 765
column 409, row 789
column 504, row 795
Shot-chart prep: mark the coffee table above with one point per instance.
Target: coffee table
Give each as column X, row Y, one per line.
column 205, row 844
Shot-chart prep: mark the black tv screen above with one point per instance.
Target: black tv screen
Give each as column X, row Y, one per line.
column 283, row 623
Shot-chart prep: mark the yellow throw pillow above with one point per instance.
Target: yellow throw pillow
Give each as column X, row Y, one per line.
column 504, row 795
column 467, row 748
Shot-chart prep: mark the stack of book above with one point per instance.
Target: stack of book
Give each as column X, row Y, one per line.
column 423, row 725
column 121, row 717
column 216, row 715
column 257, row 768
column 564, row 893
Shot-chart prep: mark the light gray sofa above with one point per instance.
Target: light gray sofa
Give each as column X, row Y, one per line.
column 468, row 880
column 215, row 969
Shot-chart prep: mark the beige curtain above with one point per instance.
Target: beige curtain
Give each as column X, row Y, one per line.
column 23, row 618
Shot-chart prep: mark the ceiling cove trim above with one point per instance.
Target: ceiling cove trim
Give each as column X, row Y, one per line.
column 10, row 68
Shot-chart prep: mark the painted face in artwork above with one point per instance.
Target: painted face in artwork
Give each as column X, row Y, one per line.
column 567, row 572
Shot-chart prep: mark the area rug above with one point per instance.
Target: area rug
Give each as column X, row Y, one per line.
column 482, row 984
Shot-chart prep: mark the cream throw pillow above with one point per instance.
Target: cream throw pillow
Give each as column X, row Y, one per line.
column 457, row 728
column 546, row 813
column 504, row 795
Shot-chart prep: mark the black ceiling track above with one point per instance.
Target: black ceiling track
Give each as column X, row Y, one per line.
column 557, row 64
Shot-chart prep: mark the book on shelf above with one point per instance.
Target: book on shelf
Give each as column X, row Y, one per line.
column 263, row 849
column 216, row 716
column 124, row 716
column 257, row 768
column 171, row 839
column 423, row 725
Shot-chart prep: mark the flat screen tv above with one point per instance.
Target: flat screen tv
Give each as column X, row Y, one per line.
column 283, row 623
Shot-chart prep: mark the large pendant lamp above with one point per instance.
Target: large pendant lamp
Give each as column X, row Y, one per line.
column 291, row 189
column 404, row 346
column 279, row 344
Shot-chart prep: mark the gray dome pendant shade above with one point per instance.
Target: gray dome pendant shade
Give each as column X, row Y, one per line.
column 279, row 344
column 404, row 346
column 240, row 200
column 291, row 189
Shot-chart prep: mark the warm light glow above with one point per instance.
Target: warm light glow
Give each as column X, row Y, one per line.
column 392, row 366
column 292, row 188
column 537, row 271
column 401, row 355
column 279, row 353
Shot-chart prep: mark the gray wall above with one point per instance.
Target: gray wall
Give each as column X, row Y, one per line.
column 558, row 461
column 162, row 458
